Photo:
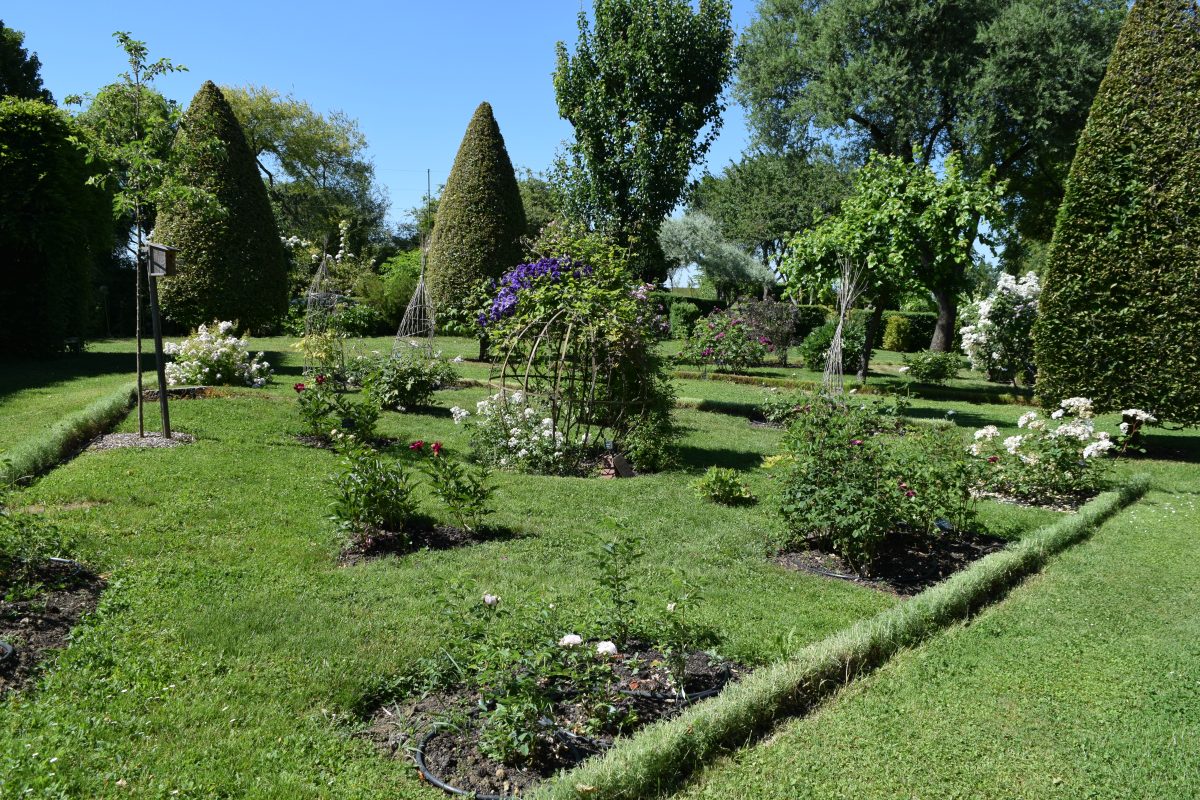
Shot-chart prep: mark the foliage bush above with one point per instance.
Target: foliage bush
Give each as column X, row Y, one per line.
column 1122, row 281
column 374, row 493
column 683, row 316
column 907, row 331
column 231, row 264
column 407, row 378
column 54, row 228
column 1050, row 464
column 815, row 348
column 930, row 367
column 327, row 412
column 722, row 485
column 772, row 322
column 480, row 218
column 724, row 341
column 465, row 490
column 215, row 359
column 999, row 337
column 809, row 318
column 852, row 475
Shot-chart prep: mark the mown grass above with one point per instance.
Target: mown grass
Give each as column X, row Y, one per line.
column 1084, row 683
column 231, row 657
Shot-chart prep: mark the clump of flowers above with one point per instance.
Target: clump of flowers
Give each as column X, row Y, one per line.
column 514, row 433
column 1053, row 459
column 525, row 276
column 215, row 358
column 724, row 341
column 998, row 338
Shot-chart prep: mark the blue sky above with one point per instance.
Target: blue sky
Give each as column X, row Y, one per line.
column 410, row 71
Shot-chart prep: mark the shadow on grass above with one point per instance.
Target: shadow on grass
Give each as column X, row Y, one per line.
column 26, row 373
column 698, row 459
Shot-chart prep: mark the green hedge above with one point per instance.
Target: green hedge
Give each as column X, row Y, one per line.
column 660, row 757
column 908, row 331
column 1120, row 305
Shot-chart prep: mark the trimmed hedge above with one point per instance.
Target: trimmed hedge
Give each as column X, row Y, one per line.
column 1120, row 306
column 683, row 316
column 660, row 757
column 908, row 331
column 54, row 228
column 231, row 265
column 480, row 218
column 35, row 455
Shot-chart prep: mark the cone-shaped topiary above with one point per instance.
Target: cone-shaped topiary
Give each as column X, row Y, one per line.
column 53, row 227
column 1120, row 305
column 480, row 218
column 232, row 265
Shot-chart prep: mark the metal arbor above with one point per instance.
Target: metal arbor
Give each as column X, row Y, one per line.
column 419, row 322
column 321, row 306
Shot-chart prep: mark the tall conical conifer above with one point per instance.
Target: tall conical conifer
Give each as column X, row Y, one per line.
column 232, row 265
column 480, row 217
column 1120, row 306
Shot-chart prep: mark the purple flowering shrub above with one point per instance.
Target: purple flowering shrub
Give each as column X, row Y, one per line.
column 724, row 341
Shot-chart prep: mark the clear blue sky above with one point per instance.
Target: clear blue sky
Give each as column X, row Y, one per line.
column 410, row 71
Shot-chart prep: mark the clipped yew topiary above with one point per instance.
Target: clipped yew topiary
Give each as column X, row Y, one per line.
column 1120, row 304
column 480, row 218
column 54, row 227
column 232, row 265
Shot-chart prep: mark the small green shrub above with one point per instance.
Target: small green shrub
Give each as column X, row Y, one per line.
column 324, row 409
column 682, row 317
column 808, row 319
column 353, row 320
column 465, row 490
column 408, row 378
column 815, row 347
column 930, row 367
column 723, row 340
column 907, row 331
column 722, row 485
column 374, row 492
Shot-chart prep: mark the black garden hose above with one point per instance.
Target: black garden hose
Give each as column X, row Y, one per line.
column 7, row 651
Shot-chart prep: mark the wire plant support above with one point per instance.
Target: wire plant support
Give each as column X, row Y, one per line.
column 420, row 318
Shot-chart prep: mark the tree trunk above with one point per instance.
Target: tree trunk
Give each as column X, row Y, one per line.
column 484, row 341
column 943, row 334
column 874, row 323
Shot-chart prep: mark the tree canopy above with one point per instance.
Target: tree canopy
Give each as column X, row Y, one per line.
column 20, row 70
column 696, row 239
column 643, row 93
column 1119, row 320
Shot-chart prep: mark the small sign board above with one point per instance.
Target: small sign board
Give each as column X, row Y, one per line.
column 161, row 259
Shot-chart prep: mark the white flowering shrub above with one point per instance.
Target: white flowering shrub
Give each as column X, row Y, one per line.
column 1055, row 458
column 998, row 338
column 514, row 433
column 215, row 358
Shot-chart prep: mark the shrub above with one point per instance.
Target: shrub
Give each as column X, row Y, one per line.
column 724, row 341
column 215, row 359
column 723, row 486
column 231, row 264
column 326, row 411
column 808, row 318
column 514, row 433
column 931, row 367
column 54, row 227
column 815, row 348
column 999, row 337
column 373, row 492
column 907, row 331
column 1048, row 464
column 770, row 321
column 352, row 320
column 408, row 377
column 480, row 217
column 683, row 316
column 854, row 474
column 1122, row 281
column 466, row 491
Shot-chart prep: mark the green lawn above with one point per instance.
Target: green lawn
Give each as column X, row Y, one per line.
column 231, row 657
column 1085, row 683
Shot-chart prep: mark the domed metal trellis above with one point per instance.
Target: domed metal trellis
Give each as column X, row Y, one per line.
column 420, row 321
column 322, row 304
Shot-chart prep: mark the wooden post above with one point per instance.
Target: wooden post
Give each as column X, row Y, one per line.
column 158, row 354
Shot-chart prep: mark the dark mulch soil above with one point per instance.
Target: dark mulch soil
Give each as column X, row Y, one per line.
column 424, row 535
column 186, row 393
column 453, row 756
column 906, row 565
column 37, row 627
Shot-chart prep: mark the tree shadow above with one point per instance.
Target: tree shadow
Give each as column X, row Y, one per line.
column 21, row 374
column 698, row 459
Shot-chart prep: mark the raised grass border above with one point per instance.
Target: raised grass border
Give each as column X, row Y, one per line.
column 659, row 758
column 37, row 454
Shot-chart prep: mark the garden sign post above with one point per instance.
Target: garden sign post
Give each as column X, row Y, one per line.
column 160, row 262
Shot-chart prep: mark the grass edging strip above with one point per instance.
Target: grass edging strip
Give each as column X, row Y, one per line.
column 662, row 755
column 37, row 454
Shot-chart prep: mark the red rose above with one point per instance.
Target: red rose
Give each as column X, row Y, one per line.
column 419, row 444
column 320, row 380
column 299, row 387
